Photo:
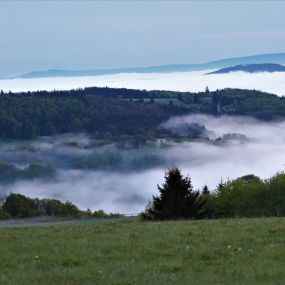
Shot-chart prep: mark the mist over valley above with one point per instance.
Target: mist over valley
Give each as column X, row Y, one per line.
column 142, row 142
column 193, row 81
column 122, row 177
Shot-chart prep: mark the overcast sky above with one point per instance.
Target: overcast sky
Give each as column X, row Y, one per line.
column 85, row 35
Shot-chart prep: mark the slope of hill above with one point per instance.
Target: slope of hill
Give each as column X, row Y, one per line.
column 252, row 68
column 129, row 252
column 116, row 112
column 277, row 58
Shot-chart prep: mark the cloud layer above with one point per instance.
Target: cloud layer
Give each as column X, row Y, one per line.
column 182, row 81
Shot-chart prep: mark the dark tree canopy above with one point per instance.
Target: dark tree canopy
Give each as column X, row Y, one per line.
column 177, row 199
column 19, row 206
column 105, row 111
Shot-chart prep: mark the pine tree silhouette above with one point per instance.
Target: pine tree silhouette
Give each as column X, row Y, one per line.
column 177, row 200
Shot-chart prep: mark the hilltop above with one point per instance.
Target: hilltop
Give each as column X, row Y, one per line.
column 109, row 112
column 276, row 58
column 252, row 68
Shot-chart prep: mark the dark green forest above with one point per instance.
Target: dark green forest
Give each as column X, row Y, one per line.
column 110, row 113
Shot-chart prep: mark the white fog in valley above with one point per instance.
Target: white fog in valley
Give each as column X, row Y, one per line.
column 176, row 81
column 121, row 179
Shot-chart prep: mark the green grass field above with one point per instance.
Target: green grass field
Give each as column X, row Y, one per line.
column 125, row 251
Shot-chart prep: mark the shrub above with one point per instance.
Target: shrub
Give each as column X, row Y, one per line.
column 52, row 207
column 4, row 215
column 276, row 195
column 18, row 205
column 99, row 214
column 247, row 196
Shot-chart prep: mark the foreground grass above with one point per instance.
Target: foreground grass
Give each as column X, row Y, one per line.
column 237, row 251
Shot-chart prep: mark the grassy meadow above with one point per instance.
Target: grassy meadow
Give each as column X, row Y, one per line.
column 126, row 251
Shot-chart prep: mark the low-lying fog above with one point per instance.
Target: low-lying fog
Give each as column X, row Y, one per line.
column 121, row 178
column 182, row 81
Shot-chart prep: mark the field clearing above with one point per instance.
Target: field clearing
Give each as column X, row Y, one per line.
column 125, row 251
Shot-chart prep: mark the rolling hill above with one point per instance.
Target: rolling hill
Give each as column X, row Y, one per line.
column 252, row 68
column 276, row 58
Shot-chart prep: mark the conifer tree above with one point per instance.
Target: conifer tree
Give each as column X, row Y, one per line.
column 177, row 199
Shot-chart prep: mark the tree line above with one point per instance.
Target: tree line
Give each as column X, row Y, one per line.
column 30, row 116
column 19, row 206
column 246, row 196
column 111, row 112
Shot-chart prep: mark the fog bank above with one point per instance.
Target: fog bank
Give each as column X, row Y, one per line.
column 119, row 179
column 182, row 81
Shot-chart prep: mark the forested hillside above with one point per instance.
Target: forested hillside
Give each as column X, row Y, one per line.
column 108, row 112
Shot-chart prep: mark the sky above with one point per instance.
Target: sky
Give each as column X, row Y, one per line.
column 40, row 35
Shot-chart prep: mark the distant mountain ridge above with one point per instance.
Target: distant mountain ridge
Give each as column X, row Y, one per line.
column 276, row 58
column 252, row 68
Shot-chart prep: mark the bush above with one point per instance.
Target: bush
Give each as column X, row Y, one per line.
column 247, row 196
column 4, row 215
column 52, row 207
column 19, row 206
column 275, row 198
column 99, row 214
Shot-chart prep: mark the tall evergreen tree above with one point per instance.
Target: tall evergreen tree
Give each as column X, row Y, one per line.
column 177, row 199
